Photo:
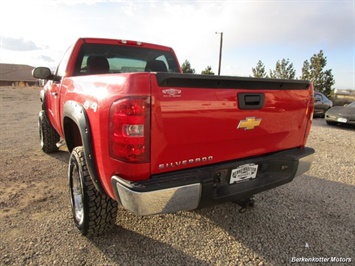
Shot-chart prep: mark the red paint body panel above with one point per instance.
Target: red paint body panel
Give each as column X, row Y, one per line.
column 104, row 90
column 203, row 123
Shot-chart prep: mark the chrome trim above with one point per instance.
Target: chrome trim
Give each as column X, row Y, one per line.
column 61, row 143
column 167, row 200
column 304, row 164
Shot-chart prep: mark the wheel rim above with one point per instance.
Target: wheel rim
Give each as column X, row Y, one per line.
column 77, row 196
column 40, row 133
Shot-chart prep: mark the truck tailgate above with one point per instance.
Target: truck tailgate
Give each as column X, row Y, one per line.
column 199, row 120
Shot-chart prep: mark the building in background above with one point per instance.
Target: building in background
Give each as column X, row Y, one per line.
column 17, row 75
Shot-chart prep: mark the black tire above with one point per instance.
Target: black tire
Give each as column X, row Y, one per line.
column 93, row 212
column 47, row 135
column 330, row 123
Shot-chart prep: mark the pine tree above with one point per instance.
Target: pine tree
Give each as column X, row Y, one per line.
column 207, row 71
column 283, row 70
column 313, row 70
column 186, row 67
column 259, row 70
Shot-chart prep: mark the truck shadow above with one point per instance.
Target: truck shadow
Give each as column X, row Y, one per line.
column 126, row 247
column 275, row 231
column 60, row 155
column 295, row 227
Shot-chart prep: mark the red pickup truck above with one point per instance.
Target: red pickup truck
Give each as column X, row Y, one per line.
column 143, row 134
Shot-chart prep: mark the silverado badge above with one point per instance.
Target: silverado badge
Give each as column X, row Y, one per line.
column 171, row 93
column 249, row 123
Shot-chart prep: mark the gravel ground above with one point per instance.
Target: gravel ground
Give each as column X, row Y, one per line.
column 312, row 217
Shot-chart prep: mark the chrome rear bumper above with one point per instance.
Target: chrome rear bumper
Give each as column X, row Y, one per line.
column 304, row 164
column 167, row 200
column 205, row 186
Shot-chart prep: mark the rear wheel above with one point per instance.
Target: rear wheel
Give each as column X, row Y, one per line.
column 47, row 135
column 93, row 212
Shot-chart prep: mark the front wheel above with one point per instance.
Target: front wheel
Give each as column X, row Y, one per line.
column 47, row 135
column 93, row 212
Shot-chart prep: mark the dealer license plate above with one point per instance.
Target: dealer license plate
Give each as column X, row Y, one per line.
column 243, row 173
column 342, row 120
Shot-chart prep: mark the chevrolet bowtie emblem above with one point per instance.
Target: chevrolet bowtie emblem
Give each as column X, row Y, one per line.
column 249, row 123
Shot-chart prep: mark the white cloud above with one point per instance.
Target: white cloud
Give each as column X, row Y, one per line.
column 253, row 30
column 19, row 44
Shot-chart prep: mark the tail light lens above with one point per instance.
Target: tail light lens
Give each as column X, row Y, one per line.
column 129, row 130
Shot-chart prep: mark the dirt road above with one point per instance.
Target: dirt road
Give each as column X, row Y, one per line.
column 312, row 217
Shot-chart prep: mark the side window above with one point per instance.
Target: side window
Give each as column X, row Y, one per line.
column 84, row 65
column 163, row 58
column 169, row 61
column 60, row 72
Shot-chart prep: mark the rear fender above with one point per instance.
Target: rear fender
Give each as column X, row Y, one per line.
column 75, row 121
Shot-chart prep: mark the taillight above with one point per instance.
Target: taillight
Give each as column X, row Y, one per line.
column 129, row 130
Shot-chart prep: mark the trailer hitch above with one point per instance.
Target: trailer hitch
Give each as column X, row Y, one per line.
column 245, row 204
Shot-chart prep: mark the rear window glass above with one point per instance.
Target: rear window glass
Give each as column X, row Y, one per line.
column 124, row 59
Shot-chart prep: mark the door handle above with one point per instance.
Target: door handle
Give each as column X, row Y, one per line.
column 250, row 101
column 54, row 93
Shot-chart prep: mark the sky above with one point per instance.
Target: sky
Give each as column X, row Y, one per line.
column 38, row 32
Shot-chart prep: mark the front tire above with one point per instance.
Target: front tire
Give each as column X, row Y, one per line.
column 93, row 212
column 47, row 135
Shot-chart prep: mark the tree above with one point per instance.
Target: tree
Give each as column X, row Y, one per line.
column 186, row 67
column 313, row 70
column 283, row 70
column 259, row 70
column 207, row 71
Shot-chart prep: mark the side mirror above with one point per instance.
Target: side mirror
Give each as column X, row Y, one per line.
column 42, row 73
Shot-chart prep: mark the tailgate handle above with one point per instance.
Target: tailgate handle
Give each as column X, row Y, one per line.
column 250, row 101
